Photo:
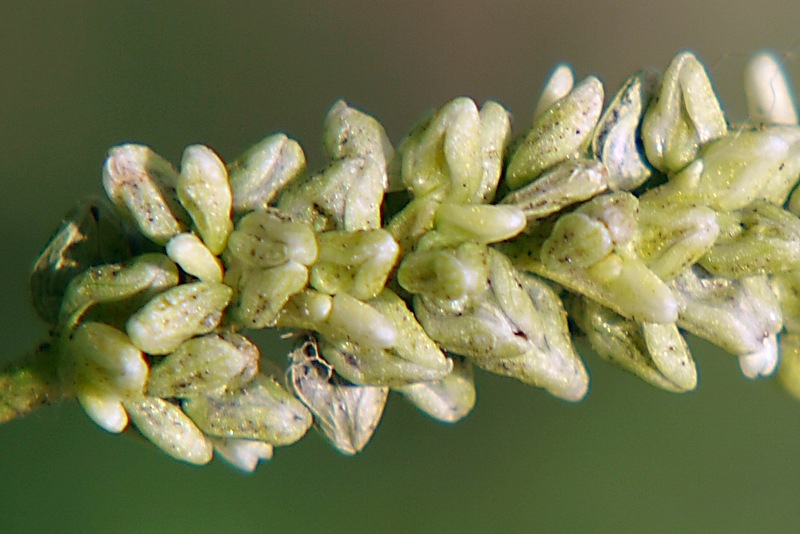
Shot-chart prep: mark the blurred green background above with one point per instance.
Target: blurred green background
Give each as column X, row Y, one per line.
column 78, row 77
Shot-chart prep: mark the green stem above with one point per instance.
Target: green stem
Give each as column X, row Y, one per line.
column 29, row 383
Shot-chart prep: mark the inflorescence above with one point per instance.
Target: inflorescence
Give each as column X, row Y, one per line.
column 403, row 268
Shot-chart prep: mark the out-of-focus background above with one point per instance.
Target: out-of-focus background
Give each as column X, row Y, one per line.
column 79, row 77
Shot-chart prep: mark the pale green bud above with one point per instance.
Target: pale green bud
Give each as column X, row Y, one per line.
column 495, row 132
column 268, row 238
column 141, row 184
column 263, row 292
column 175, row 315
column 102, row 360
column 261, row 410
column 672, row 237
column 262, row 172
column 789, row 371
column 243, row 454
column 354, row 262
column 656, row 353
column 448, row 274
column 104, row 408
column 768, row 91
column 413, row 355
column 616, row 140
column 740, row 168
column 143, row 276
column 567, row 183
column 346, row 196
column 449, row 399
column 760, row 239
column 90, row 235
column 362, row 323
column 738, row 315
column 350, row 133
column 478, row 223
column 205, row 191
column 201, row 365
column 164, row 424
column 445, row 155
column 684, row 116
column 346, row 414
column 558, row 85
column 194, row 258
column 561, row 132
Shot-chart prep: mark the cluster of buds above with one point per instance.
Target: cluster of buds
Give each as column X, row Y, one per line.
column 403, row 269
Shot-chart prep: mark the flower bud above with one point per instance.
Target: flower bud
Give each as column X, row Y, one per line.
column 199, row 366
column 495, row 134
column 165, row 425
column 478, row 223
column 354, row 262
column 616, row 140
column 261, row 410
column 194, row 258
column 141, row 184
column 268, row 239
column 769, row 95
column 448, row 399
column 263, row 171
column 558, row 85
column 262, row 293
column 350, row 133
column 104, row 408
column 561, row 132
column 243, row 454
column 448, row 274
column 175, row 315
column 684, row 116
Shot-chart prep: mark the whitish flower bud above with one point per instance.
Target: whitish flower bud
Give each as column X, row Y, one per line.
column 478, row 223
column 354, row 262
column 740, row 168
column 263, row 171
column 738, row 315
column 616, row 140
column 449, row 399
column 205, row 192
column 104, row 408
column 561, row 132
column 262, row 293
column 684, row 116
column 243, row 454
column 346, row 414
column 306, row 310
column 448, row 274
column 350, row 133
column 141, row 184
column 201, row 365
column 789, row 371
column 759, row 239
column 101, row 359
column 143, row 276
column 656, row 353
column 495, row 132
column 170, row 430
column 672, row 237
column 445, row 154
column 175, row 315
column 193, row 256
column 413, row 355
column 261, row 410
column 768, row 91
column 558, row 85
column 763, row 362
column 90, row 235
column 267, row 239
column 565, row 184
